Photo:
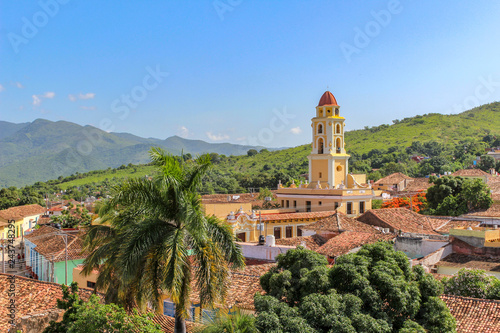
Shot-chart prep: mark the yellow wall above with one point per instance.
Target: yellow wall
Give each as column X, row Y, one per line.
column 81, row 279
column 221, row 210
column 318, row 166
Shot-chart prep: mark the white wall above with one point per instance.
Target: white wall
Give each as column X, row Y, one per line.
column 251, row 250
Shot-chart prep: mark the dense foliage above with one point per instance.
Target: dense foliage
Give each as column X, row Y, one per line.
column 472, row 283
column 234, row 323
column 454, row 196
column 93, row 316
column 374, row 290
column 72, row 218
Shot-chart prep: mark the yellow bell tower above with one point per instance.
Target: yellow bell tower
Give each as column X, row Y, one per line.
column 328, row 161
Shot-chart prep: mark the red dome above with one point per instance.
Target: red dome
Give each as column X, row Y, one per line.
column 328, row 99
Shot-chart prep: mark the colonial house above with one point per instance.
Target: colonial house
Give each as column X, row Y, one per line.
column 24, row 217
column 51, row 254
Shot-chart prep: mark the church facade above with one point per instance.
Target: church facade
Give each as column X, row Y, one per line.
column 330, row 186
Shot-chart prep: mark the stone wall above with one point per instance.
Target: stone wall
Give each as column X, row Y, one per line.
column 36, row 322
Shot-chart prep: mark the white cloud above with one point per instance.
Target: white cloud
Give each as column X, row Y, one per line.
column 296, row 130
column 217, row 137
column 87, row 107
column 1, row 88
column 73, row 98
column 19, row 85
column 37, row 99
column 86, row 96
column 183, row 132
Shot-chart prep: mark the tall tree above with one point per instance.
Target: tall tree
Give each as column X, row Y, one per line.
column 158, row 239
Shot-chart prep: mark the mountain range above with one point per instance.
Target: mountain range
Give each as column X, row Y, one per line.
column 43, row 150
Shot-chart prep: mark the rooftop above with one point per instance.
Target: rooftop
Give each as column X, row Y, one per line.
column 399, row 219
column 51, row 245
column 348, row 241
column 31, row 296
column 470, row 261
column 470, row 173
column 19, row 212
column 299, row 215
column 474, row 315
column 393, row 179
column 313, row 242
column 231, row 198
column 443, row 226
column 327, row 99
column 339, row 222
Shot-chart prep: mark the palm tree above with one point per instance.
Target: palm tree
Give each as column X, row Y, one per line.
column 234, row 323
column 154, row 238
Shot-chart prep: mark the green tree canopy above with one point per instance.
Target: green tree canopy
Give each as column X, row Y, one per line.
column 374, row 290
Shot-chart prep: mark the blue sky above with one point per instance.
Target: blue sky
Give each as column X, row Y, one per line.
column 243, row 71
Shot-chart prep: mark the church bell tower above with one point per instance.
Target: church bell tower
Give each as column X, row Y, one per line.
column 328, row 161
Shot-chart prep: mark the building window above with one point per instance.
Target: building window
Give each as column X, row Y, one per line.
column 339, row 168
column 320, row 175
column 320, row 146
column 338, row 128
column 336, row 205
column 287, row 203
column 320, row 129
column 349, row 208
column 168, row 308
column 308, row 206
column 288, row 232
column 277, row 232
column 90, row 284
column 361, row 207
column 282, row 203
column 319, row 203
column 299, row 231
column 294, row 203
column 336, row 112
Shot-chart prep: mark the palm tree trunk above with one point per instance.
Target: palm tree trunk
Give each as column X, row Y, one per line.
column 180, row 323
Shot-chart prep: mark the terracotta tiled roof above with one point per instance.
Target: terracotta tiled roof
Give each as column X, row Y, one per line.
column 474, row 315
column 19, row 212
column 327, row 99
column 243, row 284
column 470, row 261
column 394, row 178
column 418, row 184
column 348, row 241
column 300, row 215
column 44, row 219
column 398, row 219
column 339, row 222
column 493, row 211
column 443, row 226
column 167, row 323
column 52, row 246
column 313, row 242
column 470, row 173
column 31, row 296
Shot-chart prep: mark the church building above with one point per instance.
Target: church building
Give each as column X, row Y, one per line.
column 331, row 186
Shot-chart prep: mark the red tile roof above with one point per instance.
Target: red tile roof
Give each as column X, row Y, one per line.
column 313, row 242
column 327, row 99
column 474, row 315
column 394, row 178
column 349, row 240
column 53, row 247
column 493, row 211
column 19, row 212
column 398, row 219
column 31, row 296
column 339, row 222
column 470, row 261
column 470, row 173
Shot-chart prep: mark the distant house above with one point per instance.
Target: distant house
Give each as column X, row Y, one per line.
column 454, row 262
column 473, row 174
column 395, row 182
column 398, row 220
column 45, row 252
column 474, row 315
column 24, row 217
